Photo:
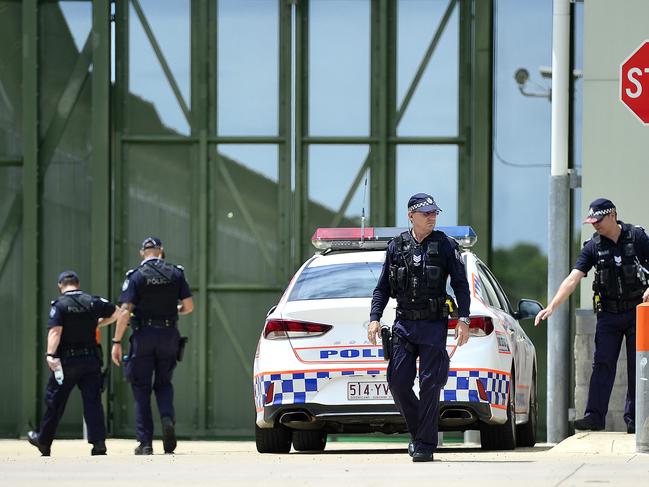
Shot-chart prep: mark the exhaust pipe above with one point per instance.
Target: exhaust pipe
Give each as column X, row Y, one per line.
column 296, row 417
column 456, row 417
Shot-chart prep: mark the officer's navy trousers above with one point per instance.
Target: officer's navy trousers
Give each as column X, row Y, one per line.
column 84, row 372
column 153, row 352
column 421, row 414
column 611, row 328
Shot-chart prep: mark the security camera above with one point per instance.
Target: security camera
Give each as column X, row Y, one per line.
column 521, row 76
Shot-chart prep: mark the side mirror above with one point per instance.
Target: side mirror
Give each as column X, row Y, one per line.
column 273, row 308
column 527, row 308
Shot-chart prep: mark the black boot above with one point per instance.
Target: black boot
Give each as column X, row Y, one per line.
column 422, row 456
column 588, row 423
column 144, row 449
column 32, row 437
column 168, row 434
column 98, row 448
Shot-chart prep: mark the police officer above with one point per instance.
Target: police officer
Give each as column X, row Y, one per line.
column 155, row 293
column 415, row 271
column 72, row 347
column 619, row 253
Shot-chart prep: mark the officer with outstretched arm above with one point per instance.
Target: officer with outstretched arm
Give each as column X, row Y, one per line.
column 416, row 268
column 619, row 252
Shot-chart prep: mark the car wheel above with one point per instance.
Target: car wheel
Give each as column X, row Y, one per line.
column 526, row 433
column 309, row 440
column 501, row 436
column 273, row 440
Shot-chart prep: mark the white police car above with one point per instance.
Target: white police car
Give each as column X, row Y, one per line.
column 315, row 372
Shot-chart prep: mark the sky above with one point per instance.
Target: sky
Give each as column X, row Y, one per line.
column 339, row 69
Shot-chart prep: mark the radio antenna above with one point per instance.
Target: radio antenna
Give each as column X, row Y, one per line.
column 363, row 211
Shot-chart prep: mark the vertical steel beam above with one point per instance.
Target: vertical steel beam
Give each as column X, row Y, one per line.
column 301, row 129
column 201, row 114
column 475, row 120
column 31, row 289
column 100, row 158
column 284, row 126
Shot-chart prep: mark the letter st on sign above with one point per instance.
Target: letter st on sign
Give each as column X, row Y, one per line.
column 634, row 82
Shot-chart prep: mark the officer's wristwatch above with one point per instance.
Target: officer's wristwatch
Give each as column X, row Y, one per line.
column 466, row 320
column 115, row 341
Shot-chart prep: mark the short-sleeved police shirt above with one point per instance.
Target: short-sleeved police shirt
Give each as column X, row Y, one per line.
column 136, row 280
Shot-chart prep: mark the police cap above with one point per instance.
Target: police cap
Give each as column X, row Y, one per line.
column 151, row 243
column 599, row 209
column 68, row 275
column 422, row 202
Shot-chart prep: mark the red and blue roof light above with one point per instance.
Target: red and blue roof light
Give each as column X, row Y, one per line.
column 377, row 238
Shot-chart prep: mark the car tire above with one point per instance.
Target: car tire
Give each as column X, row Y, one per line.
column 309, row 440
column 273, row 440
column 501, row 436
column 526, row 433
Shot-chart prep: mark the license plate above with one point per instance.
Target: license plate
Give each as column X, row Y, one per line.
column 363, row 391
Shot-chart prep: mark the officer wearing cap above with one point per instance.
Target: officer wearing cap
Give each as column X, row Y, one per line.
column 619, row 252
column 72, row 348
column 155, row 293
column 415, row 271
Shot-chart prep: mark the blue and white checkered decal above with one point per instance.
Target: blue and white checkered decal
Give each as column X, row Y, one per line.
column 301, row 387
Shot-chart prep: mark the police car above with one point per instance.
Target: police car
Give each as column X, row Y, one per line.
column 316, row 373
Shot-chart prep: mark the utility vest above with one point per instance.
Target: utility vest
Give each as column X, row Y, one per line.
column 618, row 281
column 417, row 277
column 159, row 292
column 79, row 322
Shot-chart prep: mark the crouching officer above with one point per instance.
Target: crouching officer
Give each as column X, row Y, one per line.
column 74, row 359
column 415, row 272
column 619, row 252
column 152, row 293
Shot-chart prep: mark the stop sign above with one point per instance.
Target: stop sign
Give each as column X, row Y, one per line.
column 634, row 82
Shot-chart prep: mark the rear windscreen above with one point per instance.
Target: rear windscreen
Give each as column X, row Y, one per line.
column 356, row 280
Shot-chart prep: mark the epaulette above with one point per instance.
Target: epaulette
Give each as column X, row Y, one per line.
column 179, row 267
column 54, row 301
column 130, row 271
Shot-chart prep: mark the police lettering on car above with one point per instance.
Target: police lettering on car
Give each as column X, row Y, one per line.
column 415, row 271
column 619, row 252
column 74, row 358
column 153, row 295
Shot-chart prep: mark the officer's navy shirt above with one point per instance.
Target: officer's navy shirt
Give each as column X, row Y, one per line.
column 588, row 257
column 449, row 250
column 74, row 335
column 135, row 281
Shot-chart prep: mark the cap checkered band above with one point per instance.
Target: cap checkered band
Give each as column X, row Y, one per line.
column 600, row 212
column 426, row 202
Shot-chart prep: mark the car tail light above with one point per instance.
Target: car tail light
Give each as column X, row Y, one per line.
column 481, row 391
column 277, row 329
column 270, row 393
column 480, row 326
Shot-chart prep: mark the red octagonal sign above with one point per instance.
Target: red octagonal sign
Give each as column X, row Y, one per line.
column 634, row 82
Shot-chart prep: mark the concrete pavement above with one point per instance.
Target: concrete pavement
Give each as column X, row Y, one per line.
column 583, row 459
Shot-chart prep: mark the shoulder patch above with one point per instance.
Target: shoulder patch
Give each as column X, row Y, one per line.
column 52, row 311
column 125, row 285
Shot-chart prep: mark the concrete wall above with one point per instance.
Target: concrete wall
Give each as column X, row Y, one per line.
column 616, row 161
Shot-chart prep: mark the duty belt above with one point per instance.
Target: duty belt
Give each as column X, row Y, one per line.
column 613, row 306
column 79, row 352
column 418, row 314
column 158, row 323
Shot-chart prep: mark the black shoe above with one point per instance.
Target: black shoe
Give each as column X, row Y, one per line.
column 168, row 434
column 587, row 423
column 422, row 456
column 98, row 448
column 32, row 437
column 630, row 429
column 144, row 449
column 411, row 448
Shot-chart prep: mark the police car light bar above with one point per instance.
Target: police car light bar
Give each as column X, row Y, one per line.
column 371, row 238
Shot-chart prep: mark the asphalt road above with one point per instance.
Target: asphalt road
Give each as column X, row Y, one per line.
column 584, row 459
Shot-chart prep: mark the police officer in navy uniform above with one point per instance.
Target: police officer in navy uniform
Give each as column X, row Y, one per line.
column 155, row 293
column 619, row 252
column 415, row 272
column 72, row 346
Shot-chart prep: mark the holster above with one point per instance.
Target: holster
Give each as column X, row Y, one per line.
column 105, row 376
column 181, row 348
column 386, row 342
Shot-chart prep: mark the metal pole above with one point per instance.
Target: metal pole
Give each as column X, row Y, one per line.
column 642, row 379
column 558, row 228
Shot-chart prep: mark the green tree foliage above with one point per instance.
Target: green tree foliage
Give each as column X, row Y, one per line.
column 522, row 270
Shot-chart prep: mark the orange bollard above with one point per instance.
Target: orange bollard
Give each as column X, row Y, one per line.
column 642, row 378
